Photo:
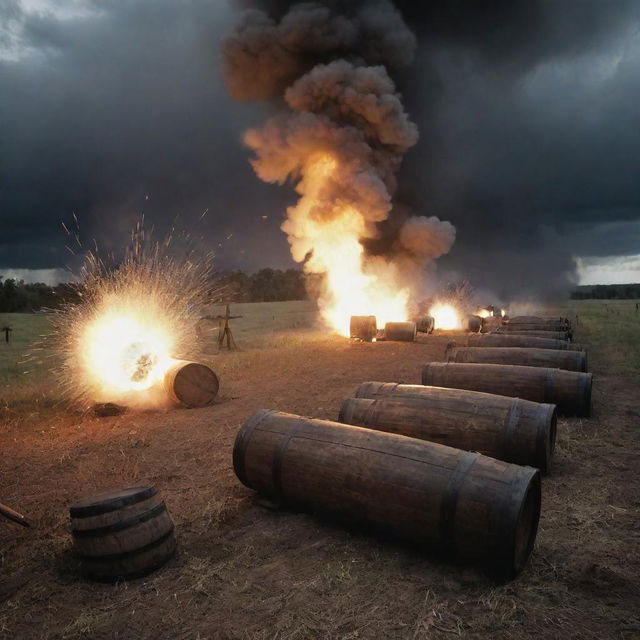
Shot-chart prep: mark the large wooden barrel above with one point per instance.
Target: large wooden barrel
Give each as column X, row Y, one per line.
column 554, row 358
column 518, row 340
column 491, row 323
column 191, row 383
column 474, row 324
column 508, row 327
column 480, row 508
column 570, row 391
column 400, row 331
column 122, row 535
column 363, row 328
column 425, row 324
column 549, row 335
column 509, row 429
column 559, row 320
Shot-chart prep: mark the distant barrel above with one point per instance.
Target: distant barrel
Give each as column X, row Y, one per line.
column 508, row 327
column 425, row 324
column 570, row 391
column 474, row 324
column 518, row 340
column 191, row 383
column 122, row 535
column 400, row 331
column 491, row 323
column 363, row 328
column 450, row 500
column 549, row 335
column 557, row 320
column 554, row 358
column 509, row 429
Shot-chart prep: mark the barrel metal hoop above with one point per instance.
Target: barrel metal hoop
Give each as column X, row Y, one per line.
column 545, row 422
column 241, row 442
column 121, row 524
column 510, row 423
column 278, row 459
column 110, row 557
column 449, row 502
column 112, row 505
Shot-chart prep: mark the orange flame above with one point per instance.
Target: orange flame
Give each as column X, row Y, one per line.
column 445, row 316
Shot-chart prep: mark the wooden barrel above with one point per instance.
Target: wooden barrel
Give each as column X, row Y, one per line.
column 558, row 359
column 491, row 323
column 474, row 324
column 191, row 383
column 425, row 324
column 550, row 328
column 549, row 335
column 363, row 328
column 518, row 340
column 540, row 320
column 570, row 391
column 509, row 429
column 472, row 505
column 400, row 331
column 122, row 535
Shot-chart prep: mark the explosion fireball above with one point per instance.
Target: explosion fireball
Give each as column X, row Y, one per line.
column 445, row 316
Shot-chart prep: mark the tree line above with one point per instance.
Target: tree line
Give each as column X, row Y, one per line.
column 607, row 292
column 266, row 285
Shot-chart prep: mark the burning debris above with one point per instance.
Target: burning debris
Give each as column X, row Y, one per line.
column 340, row 138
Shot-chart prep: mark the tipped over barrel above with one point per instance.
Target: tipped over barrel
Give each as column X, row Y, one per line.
column 400, row 331
column 553, row 320
column 122, row 535
column 570, row 391
column 548, row 328
column 518, row 340
column 549, row 335
column 477, row 507
column 191, row 383
column 509, row 429
column 363, row 328
column 558, row 359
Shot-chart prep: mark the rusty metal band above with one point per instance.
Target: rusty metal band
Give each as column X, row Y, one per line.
column 106, row 506
column 509, row 427
column 241, row 442
column 278, row 458
column 120, row 525
column 449, row 502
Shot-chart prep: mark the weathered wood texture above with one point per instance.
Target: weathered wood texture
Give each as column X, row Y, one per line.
column 191, row 383
column 570, row 391
column 559, row 320
column 509, row 429
column 400, row 331
column 560, row 328
column 122, row 535
column 554, row 358
column 474, row 324
column 492, row 323
column 548, row 335
column 363, row 328
column 480, row 508
column 518, row 340
column 425, row 324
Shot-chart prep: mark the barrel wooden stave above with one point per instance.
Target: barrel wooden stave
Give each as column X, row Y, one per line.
column 549, row 335
column 122, row 539
column 191, row 383
column 363, row 328
column 508, row 429
column 560, row 359
column 425, row 324
column 570, row 391
column 461, row 501
column 400, row 331
column 518, row 340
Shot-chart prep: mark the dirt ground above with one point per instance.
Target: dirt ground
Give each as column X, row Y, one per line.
column 243, row 571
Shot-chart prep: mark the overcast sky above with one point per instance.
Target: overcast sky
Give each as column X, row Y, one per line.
column 528, row 116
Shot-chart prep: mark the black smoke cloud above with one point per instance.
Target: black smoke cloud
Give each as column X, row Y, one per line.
column 527, row 112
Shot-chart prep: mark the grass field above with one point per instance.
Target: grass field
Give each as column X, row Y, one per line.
column 246, row 572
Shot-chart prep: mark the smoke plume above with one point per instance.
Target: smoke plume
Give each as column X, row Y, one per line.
column 340, row 136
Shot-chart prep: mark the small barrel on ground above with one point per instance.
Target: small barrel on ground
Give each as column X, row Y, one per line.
column 554, row 358
column 570, row 391
column 517, row 340
column 474, row 324
column 363, row 328
column 400, row 331
column 508, row 429
column 191, row 383
column 548, row 335
column 456, row 501
column 122, row 535
column 425, row 324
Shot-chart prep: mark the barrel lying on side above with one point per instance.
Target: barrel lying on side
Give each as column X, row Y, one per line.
column 570, row 391
column 400, row 331
column 558, row 320
column 517, row 340
column 507, row 328
column 549, row 335
column 363, row 328
column 123, row 534
column 191, row 383
column 509, row 429
column 554, row 358
column 491, row 323
column 480, row 508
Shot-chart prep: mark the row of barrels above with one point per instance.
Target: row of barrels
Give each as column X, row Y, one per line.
column 454, row 463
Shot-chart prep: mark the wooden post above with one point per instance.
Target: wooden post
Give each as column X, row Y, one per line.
column 6, row 330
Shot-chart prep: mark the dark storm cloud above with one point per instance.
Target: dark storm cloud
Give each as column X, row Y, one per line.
column 527, row 110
